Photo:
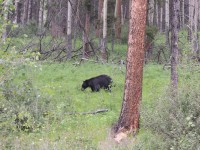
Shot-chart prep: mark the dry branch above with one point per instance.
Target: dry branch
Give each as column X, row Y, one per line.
column 87, row 113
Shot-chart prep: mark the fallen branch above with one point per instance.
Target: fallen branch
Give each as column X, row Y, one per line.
column 87, row 113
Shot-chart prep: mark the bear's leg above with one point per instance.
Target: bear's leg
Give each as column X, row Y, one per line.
column 97, row 87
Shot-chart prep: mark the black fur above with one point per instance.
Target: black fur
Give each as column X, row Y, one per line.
column 95, row 83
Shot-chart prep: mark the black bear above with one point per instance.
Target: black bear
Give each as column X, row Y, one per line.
column 95, row 83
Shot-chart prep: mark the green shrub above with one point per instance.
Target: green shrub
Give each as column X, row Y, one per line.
column 22, row 108
column 176, row 120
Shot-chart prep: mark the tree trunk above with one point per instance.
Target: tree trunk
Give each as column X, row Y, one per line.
column 163, row 16
column 167, row 43
column 41, row 14
column 75, row 27
column 155, row 14
column 129, row 117
column 186, row 11
column 104, row 40
column 30, row 10
column 98, row 28
column 69, row 31
column 25, row 13
column 174, row 45
column 18, row 9
column 86, row 33
column 5, row 16
column 118, row 20
column 159, row 21
column 195, row 28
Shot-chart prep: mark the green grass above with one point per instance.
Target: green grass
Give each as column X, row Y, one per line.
column 61, row 84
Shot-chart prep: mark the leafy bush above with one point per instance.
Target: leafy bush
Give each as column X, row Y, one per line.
column 22, row 108
column 176, row 120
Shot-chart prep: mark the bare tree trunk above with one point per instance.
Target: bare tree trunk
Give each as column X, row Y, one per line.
column 167, row 43
column 86, row 33
column 186, row 11
column 129, row 117
column 195, row 28
column 155, row 15
column 181, row 13
column 163, row 16
column 159, row 21
column 69, row 31
column 98, row 28
column 174, row 45
column 5, row 15
column 191, row 19
column 104, row 40
column 18, row 9
column 150, row 12
column 26, row 12
column 30, row 11
column 41, row 13
column 118, row 20
column 75, row 27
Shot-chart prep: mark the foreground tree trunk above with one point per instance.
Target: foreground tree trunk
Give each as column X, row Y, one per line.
column 129, row 117
column 174, row 44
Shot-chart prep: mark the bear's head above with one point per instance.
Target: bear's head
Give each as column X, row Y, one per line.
column 84, row 85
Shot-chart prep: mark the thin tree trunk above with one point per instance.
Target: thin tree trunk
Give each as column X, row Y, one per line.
column 69, row 31
column 163, row 17
column 159, row 21
column 174, row 46
column 129, row 116
column 195, row 28
column 75, row 27
column 26, row 12
column 118, row 20
column 167, row 43
column 186, row 11
column 155, row 14
column 5, row 15
column 86, row 33
column 104, row 40
column 18, row 9
column 98, row 28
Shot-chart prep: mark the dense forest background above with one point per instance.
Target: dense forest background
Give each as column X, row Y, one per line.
column 48, row 47
column 70, row 22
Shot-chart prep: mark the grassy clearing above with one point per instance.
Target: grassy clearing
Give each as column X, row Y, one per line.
column 60, row 83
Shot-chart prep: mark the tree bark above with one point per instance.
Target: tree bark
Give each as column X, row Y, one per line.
column 118, row 20
column 69, row 31
column 18, row 9
column 167, row 43
column 98, row 27
column 86, row 33
column 129, row 117
column 174, row 44
column 104, row 40
column 195, row 28
column 25, row 13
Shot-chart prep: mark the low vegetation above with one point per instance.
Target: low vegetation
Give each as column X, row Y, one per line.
column 42, row 105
